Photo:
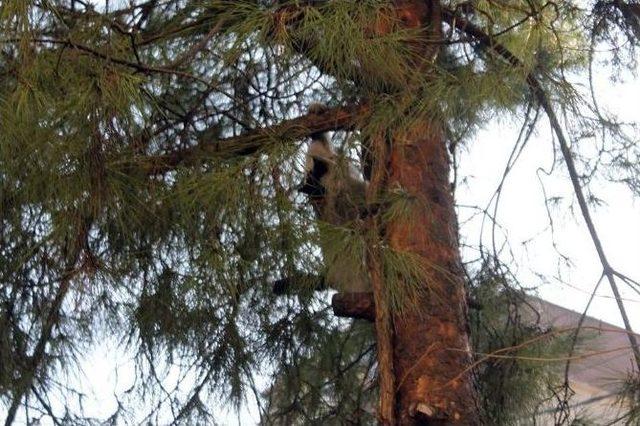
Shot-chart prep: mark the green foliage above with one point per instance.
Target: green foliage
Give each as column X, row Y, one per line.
column 334, row 382
column 628, row 399
column 515, row 380
column 179, row 264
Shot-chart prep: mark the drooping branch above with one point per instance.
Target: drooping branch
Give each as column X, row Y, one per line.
column 90, row 51
column 34, row 362
column 339, row 118
column 492, row 46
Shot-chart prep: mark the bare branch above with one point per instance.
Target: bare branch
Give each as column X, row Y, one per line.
column 491, row 45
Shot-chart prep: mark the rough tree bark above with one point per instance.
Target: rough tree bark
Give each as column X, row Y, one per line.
column 431, row 343
column 426, row 379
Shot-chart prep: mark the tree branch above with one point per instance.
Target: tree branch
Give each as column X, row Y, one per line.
column 354, row 305
column 339, row 118
column 34, row 362
column 491, row 45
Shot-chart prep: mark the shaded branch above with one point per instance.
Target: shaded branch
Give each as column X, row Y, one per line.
column 354, row 305
column 139, row 67
column 339, row 118
column 35, row 360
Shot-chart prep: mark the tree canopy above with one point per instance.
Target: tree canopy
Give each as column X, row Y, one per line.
column 150, row 158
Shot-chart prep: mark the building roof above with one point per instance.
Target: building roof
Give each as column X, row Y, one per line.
column 605, row 355
column 604, row 360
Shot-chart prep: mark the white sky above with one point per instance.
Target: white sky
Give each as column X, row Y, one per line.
column 523, row 214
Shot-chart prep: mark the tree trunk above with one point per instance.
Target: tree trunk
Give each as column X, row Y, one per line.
column 431, row 342
column 431, row 357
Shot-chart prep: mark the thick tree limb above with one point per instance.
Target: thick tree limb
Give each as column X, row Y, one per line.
column 339, row 118
column 359, row 305
column 490, row 44
column 354, row 305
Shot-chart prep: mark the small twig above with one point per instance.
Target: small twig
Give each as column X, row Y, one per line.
column 196, row 47
column 574, row 341
column 498, row 353
column 46, row 405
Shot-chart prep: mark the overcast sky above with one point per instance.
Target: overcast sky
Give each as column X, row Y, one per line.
column 522, row 212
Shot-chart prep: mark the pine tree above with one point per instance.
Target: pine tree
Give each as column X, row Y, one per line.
column 151, row 154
